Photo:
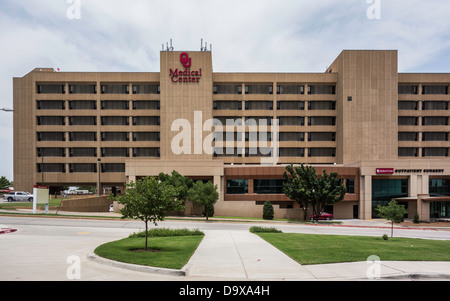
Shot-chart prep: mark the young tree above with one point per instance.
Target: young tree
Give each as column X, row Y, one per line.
column 203, row 194
column 177, row 180
column 304, row 186
column 393, row 212
column 149, row 199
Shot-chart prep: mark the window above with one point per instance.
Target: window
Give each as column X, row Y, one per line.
column 258, row 120
column 51, row 152
column 259, row 105
column 435, row 136
column 407, row 136
column 83, row 167
column 290, row 105
column 113, row 167
column 321, row 152
column 227, row 152
column 350, row 185
column 291, row 152
column 258, row 152
column 83, row 136
column 237, row 186
column 435, row 120
column 408, row 89
column 321, row 136
column 115, row 105
column 322, row 89
column 51, row 88
column 51, row 105
column 439, row 187
column 83, row 152
column 83, row 105
column 83, row 89
column 227, row 89
column 321, row 105
column 146, row 105
column 435, row 89
column 435, row 105
column 268, row 186
column 227, row 105
column 291, row 89
column 258, row 89
column 146, row 120
column 51, row 136
column 115, row 136
column 407, row 105
column 51, row 167
column 51, row 120
column 146, row 136
column 406, row 120
column 115, row 89
column 146, row 89
column 291, row 136
column 146, row 152
column 291, row 120
column 115, row 120
column 435, row 152
column 384, row 190
column 321, row 120
column 83, row 120
column 227, row 121
column 407, row 151
column 115, row 152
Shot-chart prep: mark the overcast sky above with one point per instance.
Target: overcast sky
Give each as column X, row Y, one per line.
column 246, row 36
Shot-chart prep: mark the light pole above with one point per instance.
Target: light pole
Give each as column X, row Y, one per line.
column 7, row 110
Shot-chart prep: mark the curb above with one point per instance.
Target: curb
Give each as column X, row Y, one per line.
column 135, row 267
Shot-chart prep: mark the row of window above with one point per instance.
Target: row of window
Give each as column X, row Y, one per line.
column 426, row 89
column 282, row 136
column 92, row 120
column 268, row 105
column 92, row 136
column 268, row 152
column 92, row 105
column 92, row 152
column 426, row 136
column 80, row 167
column 428, row 120
column 268, row 89
column 426, row 105
column 426, row 151
column 268, row 120
column 92, row 88
column 269, row 186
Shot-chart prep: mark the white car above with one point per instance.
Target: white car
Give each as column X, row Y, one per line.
column 19, row 196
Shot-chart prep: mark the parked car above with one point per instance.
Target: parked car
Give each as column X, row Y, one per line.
column 20, row 196
column 322, row 216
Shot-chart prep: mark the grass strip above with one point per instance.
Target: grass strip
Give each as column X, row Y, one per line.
column 320, row 249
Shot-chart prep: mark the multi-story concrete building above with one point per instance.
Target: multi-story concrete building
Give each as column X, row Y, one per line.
column 385, row 133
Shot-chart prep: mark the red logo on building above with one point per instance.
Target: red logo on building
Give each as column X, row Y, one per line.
column 384, row 171
column 185, row 60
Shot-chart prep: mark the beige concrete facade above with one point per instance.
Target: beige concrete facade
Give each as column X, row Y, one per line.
column 105, row 129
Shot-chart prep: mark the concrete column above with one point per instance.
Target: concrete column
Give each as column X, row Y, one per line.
column 365, row 193
column 218, row 181
column 413, row 185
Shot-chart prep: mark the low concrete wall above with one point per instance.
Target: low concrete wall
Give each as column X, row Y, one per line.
column 87, row 204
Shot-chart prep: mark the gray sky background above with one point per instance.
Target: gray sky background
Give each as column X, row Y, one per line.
column 246, row 36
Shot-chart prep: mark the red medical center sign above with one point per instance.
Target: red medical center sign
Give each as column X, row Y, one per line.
column 384, row 171
column 187, row 75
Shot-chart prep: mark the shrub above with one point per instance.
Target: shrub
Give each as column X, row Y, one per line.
column 268, row 210
column 385, row 237
column 164, row 232
column 416, row 219
column 256, row 229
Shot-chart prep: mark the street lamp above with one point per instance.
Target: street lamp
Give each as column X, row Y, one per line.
column 6, row 110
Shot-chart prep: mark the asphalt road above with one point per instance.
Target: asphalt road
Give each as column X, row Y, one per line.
column 55, row 249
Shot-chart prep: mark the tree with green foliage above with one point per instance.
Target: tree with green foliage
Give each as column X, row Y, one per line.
column 177, row 180
column 268, row 210
column 149, row 199
column 393, row 212
column 203, row 194
column 4, row 182
column 303, row 185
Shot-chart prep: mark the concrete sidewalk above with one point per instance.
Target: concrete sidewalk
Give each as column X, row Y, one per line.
column 241, row 255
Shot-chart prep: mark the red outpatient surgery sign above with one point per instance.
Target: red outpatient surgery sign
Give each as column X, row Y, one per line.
column 187, row 75
column 384, row 171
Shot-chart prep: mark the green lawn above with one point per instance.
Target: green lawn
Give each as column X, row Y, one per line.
column 172, row 252
column 318, row 249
